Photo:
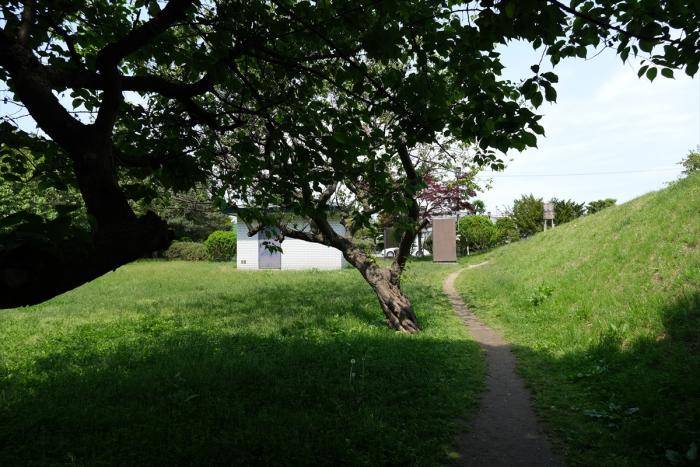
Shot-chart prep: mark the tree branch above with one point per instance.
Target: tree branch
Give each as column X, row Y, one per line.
column 607, row 25
column 138, row 37
column 26, row 24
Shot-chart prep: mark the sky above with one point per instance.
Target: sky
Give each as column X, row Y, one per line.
column 609, row 135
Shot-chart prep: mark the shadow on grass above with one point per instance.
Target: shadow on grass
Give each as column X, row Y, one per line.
column 205, row 385
column 625, row 403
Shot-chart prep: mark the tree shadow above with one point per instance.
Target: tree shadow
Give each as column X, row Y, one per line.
column 168, row 388
column 624, row 402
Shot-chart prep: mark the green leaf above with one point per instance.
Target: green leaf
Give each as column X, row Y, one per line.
column 550, row 94
column 646, row 45
column 667, row 73
column 551, row 77
column 651, row 73
column 537, row 99
column 642, row 70
column 530, row 139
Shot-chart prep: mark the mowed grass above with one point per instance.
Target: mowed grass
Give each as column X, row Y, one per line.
column 604, row 314
column 173, row 363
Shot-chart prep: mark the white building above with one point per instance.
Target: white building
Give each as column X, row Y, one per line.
column 296, row 254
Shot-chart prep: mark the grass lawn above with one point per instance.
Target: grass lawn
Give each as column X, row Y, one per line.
column 604, row 314
column 173, row 363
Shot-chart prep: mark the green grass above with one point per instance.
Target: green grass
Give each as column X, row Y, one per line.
column 604, row 315
column 173, row 363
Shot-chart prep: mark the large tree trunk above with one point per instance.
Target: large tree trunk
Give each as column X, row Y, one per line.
column 386, row 283
column 396, row 307
column 34, row 268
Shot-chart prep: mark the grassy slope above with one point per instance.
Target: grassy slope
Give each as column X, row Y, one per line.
column 197, row 363
column 613, row 354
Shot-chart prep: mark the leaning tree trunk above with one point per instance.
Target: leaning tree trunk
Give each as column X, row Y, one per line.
column 396, row 307
column 386, row 284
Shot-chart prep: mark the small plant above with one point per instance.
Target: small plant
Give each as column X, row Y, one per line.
column 221, row 245
column 540, row 294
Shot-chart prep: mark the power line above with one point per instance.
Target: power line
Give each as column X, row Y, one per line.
column 582, row 174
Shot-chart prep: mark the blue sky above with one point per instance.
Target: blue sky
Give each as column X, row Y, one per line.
column 605, row 120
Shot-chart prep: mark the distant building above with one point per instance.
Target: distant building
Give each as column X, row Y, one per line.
column 296, row 254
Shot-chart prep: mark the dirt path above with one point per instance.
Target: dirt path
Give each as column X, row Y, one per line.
column 505, row 431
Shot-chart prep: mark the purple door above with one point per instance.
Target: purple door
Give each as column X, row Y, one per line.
column 268, row 259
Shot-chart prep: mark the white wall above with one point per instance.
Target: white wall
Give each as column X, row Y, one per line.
column 296, row 254
column 246, row 248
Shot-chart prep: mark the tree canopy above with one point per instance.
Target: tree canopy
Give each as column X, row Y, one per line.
column 278, row 103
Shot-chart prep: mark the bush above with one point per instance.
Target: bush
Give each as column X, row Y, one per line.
column 691, row 164
column 599, row 205
column 477, row 233
column 507, row 231
column 188, row 251
column 567, row 210
column 221, row 245
column 366, row 244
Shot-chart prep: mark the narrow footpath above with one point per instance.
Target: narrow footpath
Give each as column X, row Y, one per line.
column 505, row 431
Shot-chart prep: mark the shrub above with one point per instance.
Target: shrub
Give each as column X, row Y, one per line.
column 221, row 245
column 366, row 244
column 506, row 230
column 188, row 251
column 540, row 294
column 477, row 233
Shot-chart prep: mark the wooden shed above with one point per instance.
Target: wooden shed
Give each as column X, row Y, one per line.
column 444, row 239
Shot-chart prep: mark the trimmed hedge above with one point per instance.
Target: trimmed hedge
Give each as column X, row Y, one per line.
column 221, row 245
column 188, row 251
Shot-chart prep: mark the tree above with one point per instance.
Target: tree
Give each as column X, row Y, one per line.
column 190, row 214
column 24, row 189
column 415, row 198
column 251, row 88
column 528, row 215
column 507, row 230
column 476, row 233
column 691, row 164
column 566, row 210
column 479, row 207
column 599, row 205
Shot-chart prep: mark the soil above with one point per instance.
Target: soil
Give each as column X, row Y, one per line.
column 505, row 431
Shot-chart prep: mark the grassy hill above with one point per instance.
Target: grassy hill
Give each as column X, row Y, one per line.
column 604, row 315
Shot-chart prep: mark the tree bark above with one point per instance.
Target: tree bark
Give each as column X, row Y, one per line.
column 386, row 284
column 34, row 268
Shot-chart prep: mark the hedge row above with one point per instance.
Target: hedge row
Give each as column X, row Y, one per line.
column 220, row 246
